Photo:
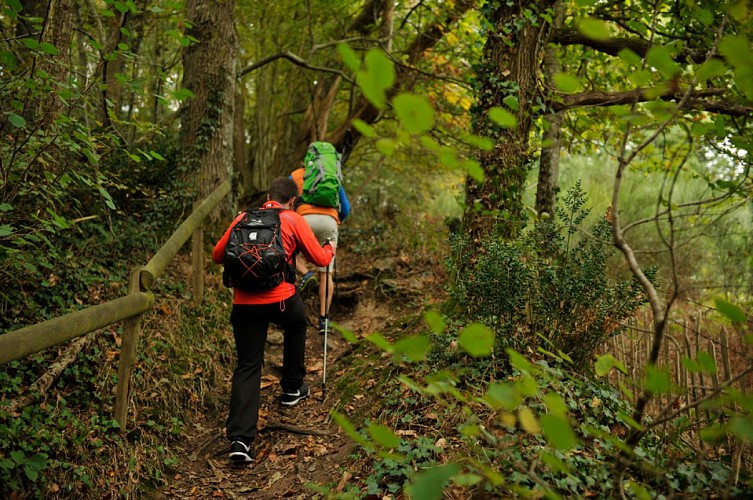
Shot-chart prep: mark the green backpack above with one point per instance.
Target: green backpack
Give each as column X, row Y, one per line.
column 322, row 176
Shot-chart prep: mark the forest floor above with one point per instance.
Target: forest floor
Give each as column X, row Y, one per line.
column 301, row 447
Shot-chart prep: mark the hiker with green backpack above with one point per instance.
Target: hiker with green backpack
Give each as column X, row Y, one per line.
column 324, row 205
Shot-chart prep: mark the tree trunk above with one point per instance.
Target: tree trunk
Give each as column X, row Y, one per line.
column 511, row 59
column 549, row 163
column 58, row 31
column 209, row 71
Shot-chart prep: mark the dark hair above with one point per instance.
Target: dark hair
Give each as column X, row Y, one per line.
column 283, row 189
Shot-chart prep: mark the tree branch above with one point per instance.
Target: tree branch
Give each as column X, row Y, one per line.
column 613, row 46
column 698, row 99
column 295, row 60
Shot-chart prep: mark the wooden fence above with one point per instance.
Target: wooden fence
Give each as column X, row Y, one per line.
column 720, row 357
column 26, row 341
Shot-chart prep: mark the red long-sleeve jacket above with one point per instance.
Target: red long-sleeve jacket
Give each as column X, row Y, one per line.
column 296, row 235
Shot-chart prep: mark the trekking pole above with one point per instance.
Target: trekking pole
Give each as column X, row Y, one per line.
column 326, row 328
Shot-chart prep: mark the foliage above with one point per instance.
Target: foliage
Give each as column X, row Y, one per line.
column 548, row 289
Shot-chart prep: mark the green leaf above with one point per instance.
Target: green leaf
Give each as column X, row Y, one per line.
column 386, row 147
column 364, row 128
column 183, row 94
column 555, row 404
column 350, row 429
column 661, row 59
column 377, row 78
column 502, row 117
column 742, row 427
column 474, row 169
column 157, row 155
column 593, row 28
column 31, row 473
column 630, row 57
column 566, row 82
column 5, row 230
column 349, row 57
column 414, row 112
column 48, row 48
column 384, row 436
column 502, row 395
column 604, row 364
column 15, row 5
column 691, row 365
column 483, row 143
column 466, row 479
column 707, row 362
column 731, row 311
column 414, row 347
column 711, row 69
column 477, row 340
column 528, row 420
column 435, row 321
column 6, row 207
column 736, row 51
column 430, row 483
column 558, row 432
column 657, row 380
column 519, row 362
column 16, row 120
column 378, row 340
column 511, row 102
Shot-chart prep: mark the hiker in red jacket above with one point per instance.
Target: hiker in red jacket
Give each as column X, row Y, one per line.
column 253, row 312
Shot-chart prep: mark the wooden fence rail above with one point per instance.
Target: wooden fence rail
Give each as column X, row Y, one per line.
column 31, row 339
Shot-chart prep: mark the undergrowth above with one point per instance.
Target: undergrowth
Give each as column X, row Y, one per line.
column 66, row 444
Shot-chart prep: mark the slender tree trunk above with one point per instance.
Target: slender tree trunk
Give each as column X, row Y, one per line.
column 209, row 71
column 549, row 163
column 58, row 31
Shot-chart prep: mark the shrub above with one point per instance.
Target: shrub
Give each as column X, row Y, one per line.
column 547, row 291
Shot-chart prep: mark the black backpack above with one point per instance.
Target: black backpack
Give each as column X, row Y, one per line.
column 255, row 258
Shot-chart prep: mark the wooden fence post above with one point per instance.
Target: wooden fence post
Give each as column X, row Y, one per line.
column 128, row 349
column 197, row 258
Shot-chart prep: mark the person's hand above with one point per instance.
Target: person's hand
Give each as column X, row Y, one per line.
column 332, row 245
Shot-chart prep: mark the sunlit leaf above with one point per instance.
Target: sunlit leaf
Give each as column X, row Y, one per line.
column 483, row 143
column 414, row 112
column 528, row 420
column 378, row 340
column 414, row 347
column 630, row 57
column 566, row 82
column 183, row 94
column 691, row 365
column 502, row 395
column 711, row 68
column 48, row 48
column 736, row 51
column 364, row 128
column 657, row 380
column 466, row 479
column 5, row 230
column 349, row 429
column 731, row 311
column 707, row 362
column 386, row 147
column 661, row 59
column 555, row 404
column 637, row 490
column 477, row 340
column 435, row 321
column 474, row 170
column 430, row 483
column 558, row 432
column 519, row 362
column 593, row 28
column 350, row 59
column 384, row 436
column 502, row 117
column 511, row 102
column 742, row 427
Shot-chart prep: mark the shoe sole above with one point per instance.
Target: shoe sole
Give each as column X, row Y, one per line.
column 240, row 458
column 294, row 402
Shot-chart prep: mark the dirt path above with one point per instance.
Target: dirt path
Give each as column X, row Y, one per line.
column 296, row 446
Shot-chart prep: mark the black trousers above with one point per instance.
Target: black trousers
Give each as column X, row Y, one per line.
column 250, row 325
